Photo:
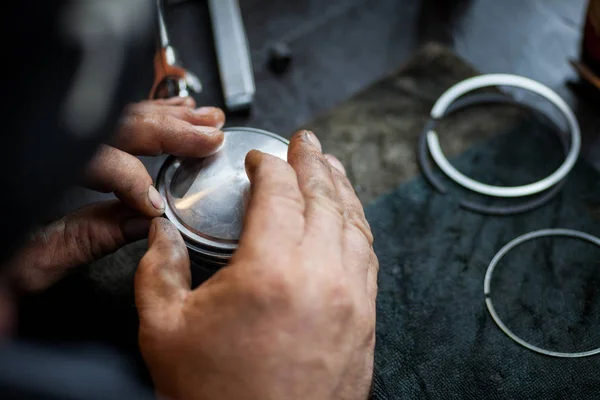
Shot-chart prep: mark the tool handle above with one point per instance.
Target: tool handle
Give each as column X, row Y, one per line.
column 231, row 44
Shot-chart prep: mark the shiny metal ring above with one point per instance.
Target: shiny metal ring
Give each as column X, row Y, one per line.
column 482, row 81
column 489, row 98
column 488, row 277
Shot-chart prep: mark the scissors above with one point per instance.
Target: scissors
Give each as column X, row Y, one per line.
column 170, row 78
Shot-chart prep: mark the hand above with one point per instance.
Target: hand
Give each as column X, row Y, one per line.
column 171, row 126
column 292, row 316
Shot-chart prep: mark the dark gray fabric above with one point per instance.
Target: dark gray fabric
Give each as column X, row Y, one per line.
column 66, row 373
column 435, row 338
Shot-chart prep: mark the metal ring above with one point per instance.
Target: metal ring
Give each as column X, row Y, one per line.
column 482, row 81
column 488, row 277
column 485, row 98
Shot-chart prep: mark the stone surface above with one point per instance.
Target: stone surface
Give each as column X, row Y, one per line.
column 375, row 133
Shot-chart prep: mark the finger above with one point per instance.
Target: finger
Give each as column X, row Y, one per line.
column 354, row 213
column 357, row 236
column 335, row 163
column 80, row 238
column 174, row 101
column 203, row 116
column 154, row 134
column 184, row 109
column 163, row 277
column 323, row 211
column 207, row 116
column 275, row 213
column 112, row 170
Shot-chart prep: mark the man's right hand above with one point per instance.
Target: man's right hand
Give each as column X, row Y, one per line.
column 292, row 316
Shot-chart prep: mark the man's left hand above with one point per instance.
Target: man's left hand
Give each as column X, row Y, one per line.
column 150, row 128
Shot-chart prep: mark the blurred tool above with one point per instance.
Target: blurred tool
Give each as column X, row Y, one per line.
column 170, row 78
column 280, row 57
column 231, row 45
column 588, row 66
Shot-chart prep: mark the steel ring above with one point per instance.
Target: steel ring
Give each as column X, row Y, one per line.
column 488, row 98
column 488, row 278
column 482, row 81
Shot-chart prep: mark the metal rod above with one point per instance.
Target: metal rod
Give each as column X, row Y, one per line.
column 231, row 45
column 162, row 25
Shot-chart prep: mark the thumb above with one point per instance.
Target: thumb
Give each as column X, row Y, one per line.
column 163, row 277
column 79, row 238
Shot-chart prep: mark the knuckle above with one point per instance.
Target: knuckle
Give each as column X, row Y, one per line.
column 79, row 239
column 159, row 121
column 189, row 101
column 340, row 299
column 272, row 289
column 342, row 180
column 316, row 157
column 134, row 175
column 172, row 254
column 318, row 187
column 362, row 226
column 333, row 207
column 187, row 114
column 323, row 194
column 284, row 199
column 162, row 120
column 162, row 254
column 135, row 164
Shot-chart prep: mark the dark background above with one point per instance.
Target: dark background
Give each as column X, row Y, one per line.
column 340, row 47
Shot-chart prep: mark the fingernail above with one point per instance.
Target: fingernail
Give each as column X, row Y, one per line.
column 211, row 112
column 313, row 139
column 136, row 228
column 155, row 199
column 205, row 111
column 252, row 160
column 207, row 130
column 335, row 163
column 217, row 149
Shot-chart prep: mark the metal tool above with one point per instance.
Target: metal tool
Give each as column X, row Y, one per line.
column 488, row 281
column 483, row 81
column 206, row 197
column 170, row 78
column 235, row 66
column 506, row 209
